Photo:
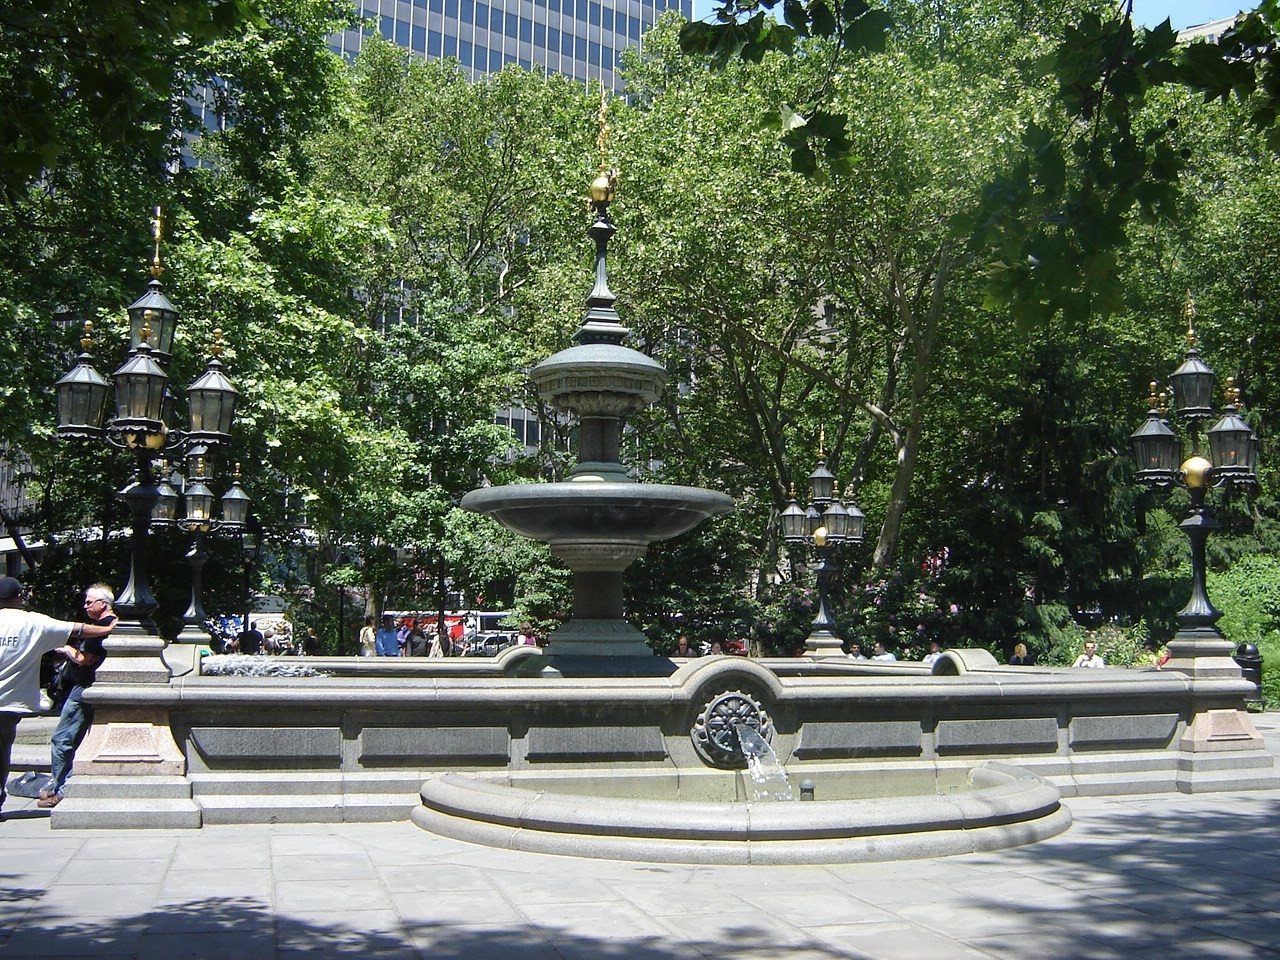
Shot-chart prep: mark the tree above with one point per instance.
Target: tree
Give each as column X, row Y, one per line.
column 1053, row 222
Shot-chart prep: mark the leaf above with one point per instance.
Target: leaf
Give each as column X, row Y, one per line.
column 791, row 119
column 822, row 21
column 869, row 32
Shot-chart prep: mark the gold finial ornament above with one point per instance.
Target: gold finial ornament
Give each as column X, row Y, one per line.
column 218, row 343
column 822, row 442
column 86, row 341
column 603, row 186
column 145, row 333
column 1194, row 471
column 157, row 231
column 1231, row 392
column 1153, row 398
column 1189, row 315
column 792, row 492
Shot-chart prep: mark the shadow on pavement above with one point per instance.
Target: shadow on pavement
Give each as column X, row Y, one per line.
column 246, row 929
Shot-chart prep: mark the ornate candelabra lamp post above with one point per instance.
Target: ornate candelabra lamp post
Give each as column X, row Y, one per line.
column 1198, row 648
column 825, row 525
column 142, row 426
column 198, row 520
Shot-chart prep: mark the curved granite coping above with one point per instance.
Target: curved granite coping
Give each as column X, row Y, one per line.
column 681, row 687
column 1007, row 806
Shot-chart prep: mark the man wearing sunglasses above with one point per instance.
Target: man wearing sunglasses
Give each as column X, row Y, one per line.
column 75, row 675
column 24, row 638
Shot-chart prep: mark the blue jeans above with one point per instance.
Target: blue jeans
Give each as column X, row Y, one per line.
column 8, row 729
column 76, row 719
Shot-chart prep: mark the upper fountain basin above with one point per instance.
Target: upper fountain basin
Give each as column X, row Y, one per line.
column 585, row 509
column 599, row 379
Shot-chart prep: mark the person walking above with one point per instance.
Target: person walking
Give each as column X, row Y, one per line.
column 75, row 674
column 368, row 640
column 25, row 637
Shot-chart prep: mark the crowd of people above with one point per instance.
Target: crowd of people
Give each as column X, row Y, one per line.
column 416, row 636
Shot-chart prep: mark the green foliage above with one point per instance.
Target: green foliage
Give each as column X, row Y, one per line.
column 693, row 585
column 901, row 612
column 786, row 615
column 1088, row 163
column 1248, row 594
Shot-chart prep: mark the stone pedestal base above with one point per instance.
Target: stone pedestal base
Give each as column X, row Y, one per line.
column 598, row 638
column 128, row 773
column 132, row 743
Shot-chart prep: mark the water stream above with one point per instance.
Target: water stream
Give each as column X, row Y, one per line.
column 768, row 778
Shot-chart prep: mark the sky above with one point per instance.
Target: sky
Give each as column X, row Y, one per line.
column 1181, row 13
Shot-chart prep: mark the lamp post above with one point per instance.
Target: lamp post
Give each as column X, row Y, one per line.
column 825, row 524
column 142, row 426
column 1198, row 648
column 251, row 547
column 199, row 522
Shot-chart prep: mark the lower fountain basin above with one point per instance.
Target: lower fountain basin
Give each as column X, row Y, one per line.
column 587, row 509
column 990, row 806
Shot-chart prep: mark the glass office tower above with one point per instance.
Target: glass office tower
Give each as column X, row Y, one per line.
column 579, row 38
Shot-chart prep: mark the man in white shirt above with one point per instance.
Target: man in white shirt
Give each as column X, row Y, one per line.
column 1090, row 657
column 24, row 638
column 882, row 654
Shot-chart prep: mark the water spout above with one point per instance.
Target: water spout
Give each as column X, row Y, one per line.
column 768, row 778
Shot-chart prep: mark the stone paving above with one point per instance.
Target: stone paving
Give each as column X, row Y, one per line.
column 1165, row 876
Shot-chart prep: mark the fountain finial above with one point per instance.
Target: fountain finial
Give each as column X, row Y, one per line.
column 601, row 323
column 602, row 187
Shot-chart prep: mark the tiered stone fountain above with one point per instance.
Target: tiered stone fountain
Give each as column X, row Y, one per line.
column 600, row 519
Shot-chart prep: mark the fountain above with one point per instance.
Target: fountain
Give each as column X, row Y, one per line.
column 600, row 520
column 598, row 748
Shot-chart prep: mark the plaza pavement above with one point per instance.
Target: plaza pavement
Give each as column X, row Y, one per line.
column 1167, row 876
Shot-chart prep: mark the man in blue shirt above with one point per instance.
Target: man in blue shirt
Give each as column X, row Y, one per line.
column 385, row 640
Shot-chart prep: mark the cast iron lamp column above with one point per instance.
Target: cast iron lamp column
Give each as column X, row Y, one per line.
column 141, row 426
column 826, row 525
column 1198, row 648
column 199, row 522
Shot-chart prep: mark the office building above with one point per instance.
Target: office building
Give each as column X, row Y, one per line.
column 579, row 38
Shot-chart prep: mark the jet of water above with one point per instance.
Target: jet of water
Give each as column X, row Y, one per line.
column 768, row 778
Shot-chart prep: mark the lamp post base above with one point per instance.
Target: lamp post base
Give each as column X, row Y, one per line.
column 1202, row 652
column 823, row 643
column 134, row 655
